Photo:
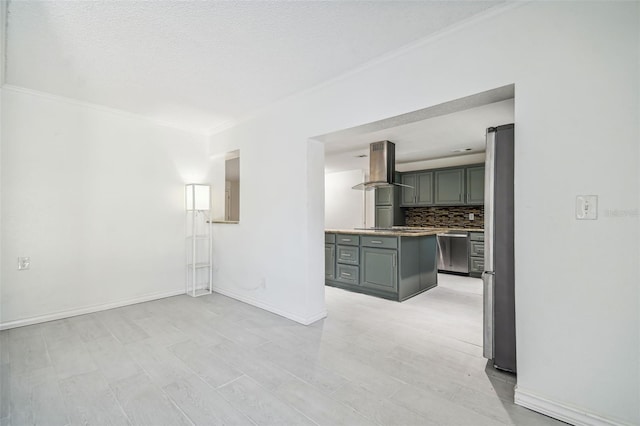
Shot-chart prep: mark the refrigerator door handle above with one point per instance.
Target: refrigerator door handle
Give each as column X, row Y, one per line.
column 487, row 335
column 488, row 278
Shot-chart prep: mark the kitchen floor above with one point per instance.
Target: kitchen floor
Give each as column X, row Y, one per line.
column 214, row 360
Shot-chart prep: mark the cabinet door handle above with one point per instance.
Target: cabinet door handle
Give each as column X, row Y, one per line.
column 376, row 242
column 346, row 254
column 346, row 240
column 345, row 274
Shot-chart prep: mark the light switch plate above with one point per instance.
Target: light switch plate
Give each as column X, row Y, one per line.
column 24, row 263
column 587, row 207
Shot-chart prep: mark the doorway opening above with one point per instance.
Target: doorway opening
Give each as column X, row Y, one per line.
column 443, row 149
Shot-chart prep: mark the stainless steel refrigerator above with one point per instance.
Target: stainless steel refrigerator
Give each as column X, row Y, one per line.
column 498, row 278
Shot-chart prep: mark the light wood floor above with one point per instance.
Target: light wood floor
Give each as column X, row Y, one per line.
column 214, row 361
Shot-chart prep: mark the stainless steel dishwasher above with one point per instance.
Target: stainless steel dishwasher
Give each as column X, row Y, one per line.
column 453, row 252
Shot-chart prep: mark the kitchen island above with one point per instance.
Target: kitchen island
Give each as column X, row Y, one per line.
column 394, row 264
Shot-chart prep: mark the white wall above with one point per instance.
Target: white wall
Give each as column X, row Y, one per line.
column 344, row 206
column 575, row 69
column 96, row 199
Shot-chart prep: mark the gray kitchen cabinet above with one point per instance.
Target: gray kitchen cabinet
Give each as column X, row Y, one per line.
column 384, row 216
column 347, row 274
column 347, row 260
column 384, row 195
column 424, row 193
column 409, row 192
column 476, row 254
column 476, row 248
column 348, row 254
column 388, row 266
column 348, row 239
column 475, row 185
column 388, row 212
column 421, row 191
column 449, row 187
column 379, row 269
column 329, row 261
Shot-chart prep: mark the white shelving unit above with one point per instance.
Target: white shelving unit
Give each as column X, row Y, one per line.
column 199, row 244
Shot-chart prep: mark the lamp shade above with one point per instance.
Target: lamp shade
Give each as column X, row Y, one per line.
column 197, row 196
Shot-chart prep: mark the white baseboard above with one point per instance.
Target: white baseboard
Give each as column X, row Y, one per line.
column 259, row 304
column 87, row 309
column 561, row 411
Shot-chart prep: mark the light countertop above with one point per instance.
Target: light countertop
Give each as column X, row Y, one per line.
column 402, row 231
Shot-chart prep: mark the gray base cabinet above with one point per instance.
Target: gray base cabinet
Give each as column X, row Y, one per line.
column 329, row 261
column 379, row 269
column 476, row 254
column 329, row 256
column 395, row 268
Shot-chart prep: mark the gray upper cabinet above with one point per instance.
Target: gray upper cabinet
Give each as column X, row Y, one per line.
column 384, row 195
column 425, row 189
column 388, row 212
column 409, row 194
column 421, row 191
column 452, row 186
column 384, row 216
column 475, row 185
column 449, row 187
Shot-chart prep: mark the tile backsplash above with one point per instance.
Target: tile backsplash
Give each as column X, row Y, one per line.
column 445, row 217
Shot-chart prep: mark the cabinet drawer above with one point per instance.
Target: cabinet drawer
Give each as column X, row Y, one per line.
column 476, row 248
column 329, row 238
column 348, row 254
column 352, row 240
column 476, row 236
column 379, row 242
column 347, row 274
column 477, row 264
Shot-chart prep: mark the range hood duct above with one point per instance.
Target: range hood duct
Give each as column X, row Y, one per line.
column 382, row 166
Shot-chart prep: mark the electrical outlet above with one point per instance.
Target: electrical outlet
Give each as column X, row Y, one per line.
column 24, row 263
column 587, row 207
column 472, row 216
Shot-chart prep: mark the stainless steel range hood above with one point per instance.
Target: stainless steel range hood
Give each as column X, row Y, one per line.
column 382, row 166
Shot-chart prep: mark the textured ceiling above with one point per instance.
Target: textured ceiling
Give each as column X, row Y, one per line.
column 202, row 64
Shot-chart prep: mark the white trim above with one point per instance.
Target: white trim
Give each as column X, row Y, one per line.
column 267, row 307
column 561, row 411
column 102, row 108
column 88, row 309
